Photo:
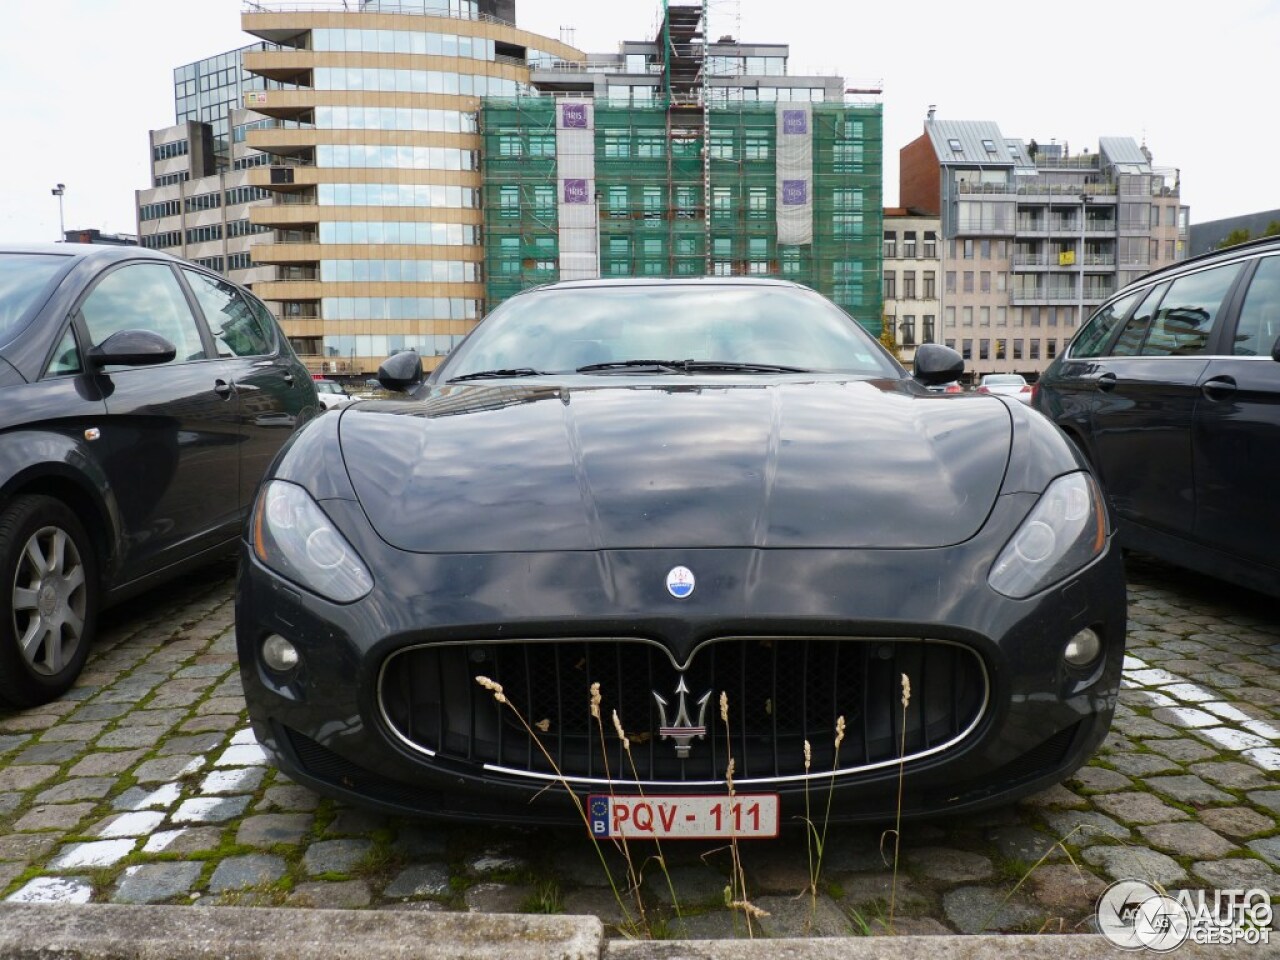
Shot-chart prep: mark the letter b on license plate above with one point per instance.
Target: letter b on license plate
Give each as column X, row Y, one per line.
column 752, row 815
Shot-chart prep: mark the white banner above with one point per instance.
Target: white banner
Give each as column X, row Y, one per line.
column 795, row 173
column 576, row 190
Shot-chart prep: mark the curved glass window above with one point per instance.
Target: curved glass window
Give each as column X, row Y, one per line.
column 395, row 118
column 399, row 271
column 402, row 41
column 348, row 156
column 397, row 195
column 400, row 308
column 383, row 345
column 389, row 80
column 406, row 232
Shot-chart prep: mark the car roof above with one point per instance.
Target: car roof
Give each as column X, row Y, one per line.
column 1213, row 256
column 101, row 252
column 659, row 282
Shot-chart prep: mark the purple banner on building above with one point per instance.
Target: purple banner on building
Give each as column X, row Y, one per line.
column 795, row 122
column 575, row 191
column 573, row 116
column 795, row 193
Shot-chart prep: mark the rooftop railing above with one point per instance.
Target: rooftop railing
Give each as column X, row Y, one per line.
column 337, row 6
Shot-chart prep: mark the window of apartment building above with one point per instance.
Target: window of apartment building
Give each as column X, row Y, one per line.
column 984, row 249
column 167, row 151
column 204, row 201
column 950, row 344
column 1000, row 348
column 239, row 261
column 1050, row 349
column 540, row 144
column 908, row 285
column 756, row 146
column 651, row 146
column 509, row 202
column 721, row 203
column 1051, row 316
column 966, row 349
column 847, row 198
column 722, row 247
column 984, row 316
column 890, row 286
column 618, row 256
column 966, row 316
column 930, row 285
column 984, row 281
column 984, row 349
column 968, row 281
column 909, row 330
column 1002, row 282
column 1035, row 350
column 618, row 201
column 617, row 144
column 790, row 258
column 847, row 157
column 950, row 281
column 1155, row 247
column 758, row 203
column 204, row 234
column 1168, row 249
column 1017, row 349
column 909, row 244
column 949, row 317
column 846, row 224
column 927, row 328
column 544, row 201
column 1002, row 316
column 1035, row 317
column 930, row 243
column 654, row 203
column 722, row 145
column 968, row 249
column 509, row 143
column 687, row 202
column 890, row 244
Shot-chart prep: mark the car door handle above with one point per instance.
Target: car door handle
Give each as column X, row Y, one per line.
column 1219, row 388
column 1107, row 381
column 288, row 378
column 222, row 388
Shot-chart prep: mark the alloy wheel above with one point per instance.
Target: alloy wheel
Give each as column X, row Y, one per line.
column 49, row 600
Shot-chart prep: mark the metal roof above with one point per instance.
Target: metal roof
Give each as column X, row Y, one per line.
column 1125, row 153
column 972, row 137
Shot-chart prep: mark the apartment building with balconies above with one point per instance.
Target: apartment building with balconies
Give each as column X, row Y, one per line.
column 1033, row 237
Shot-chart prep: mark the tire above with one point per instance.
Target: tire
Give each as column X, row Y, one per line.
column 49, row 594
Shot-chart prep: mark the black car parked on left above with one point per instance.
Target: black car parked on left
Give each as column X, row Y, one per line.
column 141, row 400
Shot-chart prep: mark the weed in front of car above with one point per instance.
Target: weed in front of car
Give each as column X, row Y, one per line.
column 735, row 894
column 815, row 839
column 897, row 826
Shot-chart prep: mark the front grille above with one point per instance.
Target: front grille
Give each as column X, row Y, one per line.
column 781, row 692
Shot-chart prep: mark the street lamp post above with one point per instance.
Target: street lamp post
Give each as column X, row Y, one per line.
column 58, row 191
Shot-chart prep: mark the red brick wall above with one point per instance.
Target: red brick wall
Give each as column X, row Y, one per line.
column 919, row 176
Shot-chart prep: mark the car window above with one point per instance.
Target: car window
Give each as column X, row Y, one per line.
column 235, row 328
column 1092, row 340
column 66, row 357
column 143, row 296
column 25, row 282
column 1135, row 329
column 1182, row 325
column 1259, row 324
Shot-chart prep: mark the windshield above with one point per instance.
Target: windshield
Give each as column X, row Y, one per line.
column 26, row 280
column 1004, row 380
column 563, row 330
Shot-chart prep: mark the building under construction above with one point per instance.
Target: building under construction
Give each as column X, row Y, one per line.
column 683, row 157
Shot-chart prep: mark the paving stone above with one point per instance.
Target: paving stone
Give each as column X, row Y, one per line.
column 25, row 777
column 209, row 723
column 1083, row 827
column 948, row 865
column 493, row 861
column 877, row 889
column 1182, row 751
column 1185, row 717
column 1101, row 780
column 238, row 780
column 1065, row 887
column 803, row 917
column 1055, row 797
column 100, row 711
column 331, row 895
column 1187, row 840
column 77, row 733
column 54, row 890
column 184, row 841
column 1124, row 863
column 1232, row 738
column 156, row 882
column 694, row 885
column 421, row 841
column 240, row 873
column 913, row 927
column 421, row 880
column 778, row 869
column 1145, row 728
column 1188, row 789
column 496, row 897
column 26, row 847
column 1237, row 822
column 1268, row 758
column 1232, row 775
column 1268, row 849
column 136, row 798
column 164, row 769
column 289, row 797
column 1025, row 844
column 264, row 829
column 335, row 856
column 1135, row 808
column 80, row 788
column 242, row 755
column 196, row 744
column 53, row 753
column 132, row 736
column 10, row 802
column 210, row 809
column 603, row 904
column 1237, row 873
column 1142, row 764
column 1267, row 799
column 106, row 762
column 96, row 853
column 142, row 823
column 359, row 822
column 54, row 816
column 975, row 909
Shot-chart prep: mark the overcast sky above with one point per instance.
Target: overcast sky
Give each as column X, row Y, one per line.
column 82, row 81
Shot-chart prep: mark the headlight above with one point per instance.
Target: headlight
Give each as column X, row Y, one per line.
column 1065, row 531
column 293, row 537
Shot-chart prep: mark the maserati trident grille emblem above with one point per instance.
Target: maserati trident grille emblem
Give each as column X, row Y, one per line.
column 682, row 729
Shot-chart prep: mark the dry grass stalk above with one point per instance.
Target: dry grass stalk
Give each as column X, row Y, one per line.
column 897, row 827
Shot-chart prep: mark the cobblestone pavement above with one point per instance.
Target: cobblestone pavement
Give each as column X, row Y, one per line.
column 144, row 785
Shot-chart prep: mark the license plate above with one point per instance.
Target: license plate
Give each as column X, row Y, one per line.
column 694, row 817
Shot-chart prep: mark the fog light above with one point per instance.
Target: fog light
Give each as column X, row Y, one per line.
column 1082, row 649
column 279, row 654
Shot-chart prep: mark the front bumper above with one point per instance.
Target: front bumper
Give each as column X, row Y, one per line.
column 325, row 725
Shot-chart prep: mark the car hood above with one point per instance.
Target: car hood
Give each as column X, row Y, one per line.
column 780, row 463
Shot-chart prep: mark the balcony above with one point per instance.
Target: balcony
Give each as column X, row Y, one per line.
column 284, row 66
column 281, row 104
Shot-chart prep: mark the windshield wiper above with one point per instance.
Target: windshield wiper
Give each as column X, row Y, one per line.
column 690, row 366
column 498, row 374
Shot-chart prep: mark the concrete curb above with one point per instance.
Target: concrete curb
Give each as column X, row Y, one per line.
column 119, row 932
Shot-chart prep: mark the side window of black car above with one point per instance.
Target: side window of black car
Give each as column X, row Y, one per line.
column 1182, row 325
column 143, row 296
column 66, row 357
column 1093, row 338
column 1259, row 324
column 236, row 330
column 1135, row 330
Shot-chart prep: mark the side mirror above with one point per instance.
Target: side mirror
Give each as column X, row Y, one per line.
column 132, row 348
column 401, row 371
column 935, row 364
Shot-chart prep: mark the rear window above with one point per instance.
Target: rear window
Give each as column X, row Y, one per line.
column 26, row 280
